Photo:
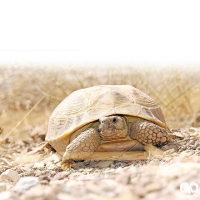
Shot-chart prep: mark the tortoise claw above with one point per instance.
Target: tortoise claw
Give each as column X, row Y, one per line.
column 67, row 164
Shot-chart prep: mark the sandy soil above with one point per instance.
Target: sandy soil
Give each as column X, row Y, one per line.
column 173, row 175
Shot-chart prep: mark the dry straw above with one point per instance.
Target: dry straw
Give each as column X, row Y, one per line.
column 177, row 90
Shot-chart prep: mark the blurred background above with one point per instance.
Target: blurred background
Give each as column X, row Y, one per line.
column 37, row 90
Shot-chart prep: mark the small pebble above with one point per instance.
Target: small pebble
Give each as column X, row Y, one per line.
column 197, row 143
column 191, row 142
column 197, row 153
column 10, row 175
column 58, row 169
column 50, row 166
column 25, row 184
column 37, row 173
column 52, row 173
column 104, row 163
column 175, row 154
column 193, row 130
column 198, row 148
column 61, row 175
column 39, row 165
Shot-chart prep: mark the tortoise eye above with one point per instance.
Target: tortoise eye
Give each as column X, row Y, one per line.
column 114, row 120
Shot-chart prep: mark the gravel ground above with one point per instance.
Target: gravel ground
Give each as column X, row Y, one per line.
column 28, row 175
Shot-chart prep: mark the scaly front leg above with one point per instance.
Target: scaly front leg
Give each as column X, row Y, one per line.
column 149, row 133
column 81, row 147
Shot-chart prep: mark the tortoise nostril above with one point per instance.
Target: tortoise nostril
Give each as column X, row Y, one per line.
column 114, row 120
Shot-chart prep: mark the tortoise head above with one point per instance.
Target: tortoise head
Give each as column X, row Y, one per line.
column 113, row 128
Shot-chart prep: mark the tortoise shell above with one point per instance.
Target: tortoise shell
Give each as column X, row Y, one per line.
column 87, row 105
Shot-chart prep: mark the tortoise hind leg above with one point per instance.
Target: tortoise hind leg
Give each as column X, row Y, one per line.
column 149, row 133
column 81, row 147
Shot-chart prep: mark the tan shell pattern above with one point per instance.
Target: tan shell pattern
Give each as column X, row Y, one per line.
column 87, row 105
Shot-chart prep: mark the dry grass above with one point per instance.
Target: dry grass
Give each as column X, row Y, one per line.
column 176, row 89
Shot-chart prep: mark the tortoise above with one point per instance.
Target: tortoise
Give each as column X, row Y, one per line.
column 105, row 118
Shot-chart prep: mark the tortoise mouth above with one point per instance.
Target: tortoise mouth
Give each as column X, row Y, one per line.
column 113, row 134
column 109, row 131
